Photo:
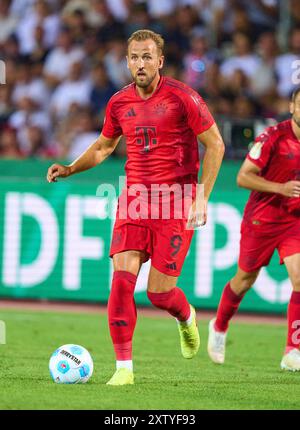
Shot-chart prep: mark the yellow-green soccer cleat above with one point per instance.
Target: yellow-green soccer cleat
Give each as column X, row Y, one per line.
column 121, row 376
column 189, row 336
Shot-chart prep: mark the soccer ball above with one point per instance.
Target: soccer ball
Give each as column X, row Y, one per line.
column 71, row 364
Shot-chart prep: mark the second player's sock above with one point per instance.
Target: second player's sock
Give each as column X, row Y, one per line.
column 174, row 301
column 228, row 305
column 122, row 314
column 293, row 338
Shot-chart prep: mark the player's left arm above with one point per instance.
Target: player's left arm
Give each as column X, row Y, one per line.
column 215, row 148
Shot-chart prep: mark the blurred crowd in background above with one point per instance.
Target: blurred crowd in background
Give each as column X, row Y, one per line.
column 65, row 58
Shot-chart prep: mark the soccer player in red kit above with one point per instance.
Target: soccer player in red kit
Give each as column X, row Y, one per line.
column 271, row 221
column 161, row 119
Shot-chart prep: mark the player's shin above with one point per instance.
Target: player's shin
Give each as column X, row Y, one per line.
column 228, row 306
column 122, row 316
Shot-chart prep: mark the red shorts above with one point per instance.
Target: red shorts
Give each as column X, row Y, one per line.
column 165, row 241
column 258, row 243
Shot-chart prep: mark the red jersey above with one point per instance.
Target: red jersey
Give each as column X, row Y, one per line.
column 277, row 153
column 160, row 132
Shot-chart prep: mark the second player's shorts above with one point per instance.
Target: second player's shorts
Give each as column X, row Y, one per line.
column 258, row 243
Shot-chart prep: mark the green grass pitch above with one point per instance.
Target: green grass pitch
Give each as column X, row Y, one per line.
column 250, row 379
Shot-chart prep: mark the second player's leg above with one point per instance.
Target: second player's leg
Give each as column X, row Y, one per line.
column 232, row 295
column 291, row 359
column 231, row 298
column 243, row 281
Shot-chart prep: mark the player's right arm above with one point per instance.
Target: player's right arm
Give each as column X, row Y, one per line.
column 248, row 177
column 94, row 155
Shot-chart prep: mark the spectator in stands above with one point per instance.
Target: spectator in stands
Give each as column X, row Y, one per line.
column 161, row 10
column 111, row 27
column 39, row 51
column 29, row 115
column 264, row 82
column 237, row 85
column 9, row 147
column 286, row 66
column 75, row 91
column 119, row 9
column 140, row 18
column 102, row 90
column 177, row 31
column 295, row 12
column 94, row 51
column 97, row 13
column 229, row 18
column 60, row 60
column 8, row 22
column 10, row 49
column 76, row 21
column 243, row 59
column 84, row 133
column 6, row 106
column 73, row 5
column 116, row 64
column 29, row 86
column 243, row 108
column 263, row 15
column 263, row 85
column 40, row 14
column 198, row 61
column 281, row 108
column 37, row 143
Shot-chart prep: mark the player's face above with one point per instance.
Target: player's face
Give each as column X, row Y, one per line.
column 144, row 62
column 295, row 110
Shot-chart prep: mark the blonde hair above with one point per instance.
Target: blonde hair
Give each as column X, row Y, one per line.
column 142, row 35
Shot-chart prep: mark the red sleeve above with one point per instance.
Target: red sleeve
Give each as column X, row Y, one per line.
column 111, row 127
column 198, row 116
column 261, row 150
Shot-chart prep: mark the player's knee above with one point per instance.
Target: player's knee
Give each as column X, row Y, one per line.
column 123, row 283
column 159, row 299
column 242, row 282
column 295, row 279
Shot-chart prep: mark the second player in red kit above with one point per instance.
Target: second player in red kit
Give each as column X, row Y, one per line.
column 271, row 221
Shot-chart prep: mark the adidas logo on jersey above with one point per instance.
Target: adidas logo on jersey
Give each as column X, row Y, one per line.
column 130, row 113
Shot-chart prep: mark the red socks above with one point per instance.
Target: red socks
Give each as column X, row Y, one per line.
column 228, row 305
column 122, row 313
column 173, row 301
column 293, row 337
